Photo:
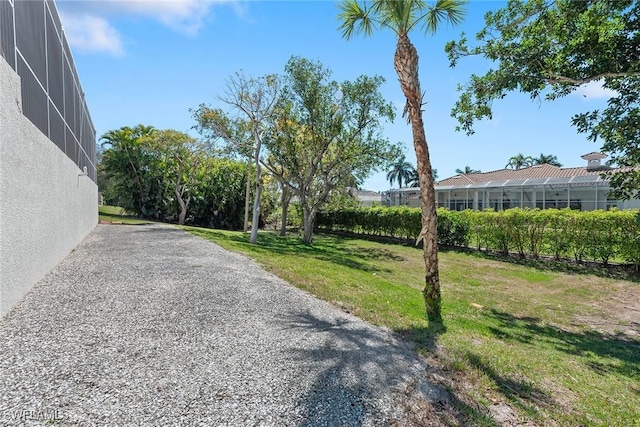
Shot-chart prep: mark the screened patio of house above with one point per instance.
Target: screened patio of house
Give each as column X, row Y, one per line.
column 585, row 193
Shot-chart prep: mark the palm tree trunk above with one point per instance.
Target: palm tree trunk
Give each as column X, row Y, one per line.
column 406, row 65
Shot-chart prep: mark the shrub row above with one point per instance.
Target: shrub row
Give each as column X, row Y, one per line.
column 598, row 235
column 398, row 221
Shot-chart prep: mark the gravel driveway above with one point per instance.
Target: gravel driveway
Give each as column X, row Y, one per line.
column 150, row 326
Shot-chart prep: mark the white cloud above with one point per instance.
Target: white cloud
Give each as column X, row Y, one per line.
column 91, row 34
column 594, row 90
column 181, row 15
column 88, row 20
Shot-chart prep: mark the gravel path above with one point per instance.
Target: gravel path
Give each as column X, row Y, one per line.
column 150, row 326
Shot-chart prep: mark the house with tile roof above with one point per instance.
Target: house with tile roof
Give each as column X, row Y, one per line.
column 541, row 186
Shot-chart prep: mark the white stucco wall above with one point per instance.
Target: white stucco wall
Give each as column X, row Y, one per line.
column 46, row 208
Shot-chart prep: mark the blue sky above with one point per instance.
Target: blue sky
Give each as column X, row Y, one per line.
column 149, row 62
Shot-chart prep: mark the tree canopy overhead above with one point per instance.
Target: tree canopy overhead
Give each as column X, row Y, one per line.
column 548, row 50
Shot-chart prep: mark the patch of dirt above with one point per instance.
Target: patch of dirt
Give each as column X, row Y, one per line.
column 444, row 398
column 618, row 314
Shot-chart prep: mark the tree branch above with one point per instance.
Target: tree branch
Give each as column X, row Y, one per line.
column 558, row 79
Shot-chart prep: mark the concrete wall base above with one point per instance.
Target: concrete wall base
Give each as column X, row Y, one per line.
column 47, row 206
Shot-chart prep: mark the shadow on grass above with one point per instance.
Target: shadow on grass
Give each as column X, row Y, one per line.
column 125, row 219
column 358, row 365
column 425, row 337
column 520, row 392
column 568, row 266
column 604, row 353
column 334, row 251
column 461, row 409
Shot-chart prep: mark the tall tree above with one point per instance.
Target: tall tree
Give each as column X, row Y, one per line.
column 547, row 159
column 181, row 157
column 252, row 100
column 400, row 172
column 214, row 124
column 327, row 134
column 127, row 162
column 519, row 161
column 402, row 16
column 279, row 171
column 549, row 49
column 467, row 170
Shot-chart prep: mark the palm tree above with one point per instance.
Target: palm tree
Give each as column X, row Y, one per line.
column 400, row 172
column 467, row 170
column 124, row 164
column 402, row 16
column 519, row 161
column 414, row 181
column 548, row 159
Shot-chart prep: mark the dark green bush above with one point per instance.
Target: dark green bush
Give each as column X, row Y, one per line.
column 598, row 235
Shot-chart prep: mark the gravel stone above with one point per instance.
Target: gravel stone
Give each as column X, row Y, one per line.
column 150, row 326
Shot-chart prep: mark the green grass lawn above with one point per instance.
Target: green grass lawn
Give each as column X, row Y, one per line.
column 562, row 349
column 116, row 214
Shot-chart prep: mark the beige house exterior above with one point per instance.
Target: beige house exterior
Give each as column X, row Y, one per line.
column 541, row 186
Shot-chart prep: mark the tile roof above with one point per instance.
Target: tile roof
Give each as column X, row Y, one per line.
column 537, row 171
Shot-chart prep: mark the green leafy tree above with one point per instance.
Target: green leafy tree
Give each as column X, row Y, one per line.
column 327, row 134
column 519, row 161
column 549, row 50
column 131, row 166
column 181, row 157
column 400, row 17
column 401, row 172
column 217, row 200
column 547, row 159
column 215, row 124
column 281, row 174
column 467, row 170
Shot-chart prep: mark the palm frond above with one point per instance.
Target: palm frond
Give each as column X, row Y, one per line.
column 397, row 15
column 354, row 19
column 450, row 11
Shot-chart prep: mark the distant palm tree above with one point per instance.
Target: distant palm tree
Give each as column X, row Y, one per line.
column 414, row 182
column 519, row 161
column 547, row 159
column 402, row 16
column 467, row 170
column 401, row 172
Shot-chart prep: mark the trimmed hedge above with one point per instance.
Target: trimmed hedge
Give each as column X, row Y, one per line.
column 398, row 221
column 596, row 235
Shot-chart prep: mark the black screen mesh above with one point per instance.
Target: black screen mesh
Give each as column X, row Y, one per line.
column 52, row 98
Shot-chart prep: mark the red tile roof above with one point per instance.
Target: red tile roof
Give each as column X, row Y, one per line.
column 537, row 171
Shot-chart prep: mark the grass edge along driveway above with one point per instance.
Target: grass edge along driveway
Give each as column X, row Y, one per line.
column 555, row 348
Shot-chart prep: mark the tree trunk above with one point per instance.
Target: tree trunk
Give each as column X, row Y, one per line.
column 284, row 202
column 406, row 65
column 247, row 196
column 256, row 200
column 309, row 218
column 183, row 205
